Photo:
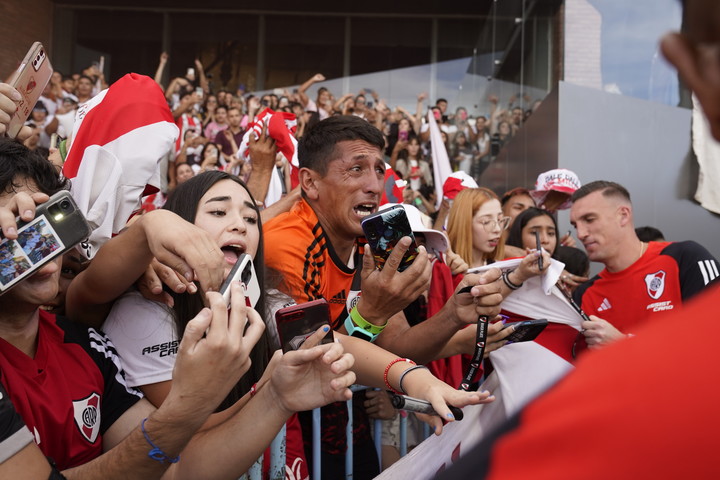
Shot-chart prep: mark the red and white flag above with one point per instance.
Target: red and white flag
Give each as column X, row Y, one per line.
column 393, row 187
column 118, row 140
column 526, row 369
column 280, row 126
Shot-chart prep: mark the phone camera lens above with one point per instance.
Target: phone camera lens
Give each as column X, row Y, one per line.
column 65, row 205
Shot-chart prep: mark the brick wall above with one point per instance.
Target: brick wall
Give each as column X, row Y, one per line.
column 23, row 22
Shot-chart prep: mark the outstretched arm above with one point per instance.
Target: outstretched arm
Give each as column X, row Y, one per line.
column 124, row 258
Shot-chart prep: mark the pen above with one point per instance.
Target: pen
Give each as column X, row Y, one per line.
column 539, row 249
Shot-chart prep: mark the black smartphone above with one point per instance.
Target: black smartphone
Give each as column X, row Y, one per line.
column 526, row 330
column 57, row 227
column 383, row 230
column 243, row 272
column 297, row 322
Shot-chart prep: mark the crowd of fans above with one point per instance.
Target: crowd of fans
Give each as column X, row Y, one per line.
column 208, row 379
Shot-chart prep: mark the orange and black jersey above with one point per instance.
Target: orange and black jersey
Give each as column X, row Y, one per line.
column 296, row 246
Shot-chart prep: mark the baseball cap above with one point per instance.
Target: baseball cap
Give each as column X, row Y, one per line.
column 434, row 240
column 557, row 180
column 456, row 182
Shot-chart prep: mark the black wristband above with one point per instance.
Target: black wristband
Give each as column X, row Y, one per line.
column 508, row 282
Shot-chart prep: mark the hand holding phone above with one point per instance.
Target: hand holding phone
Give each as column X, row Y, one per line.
column 539, row 249
column 384, row 230
column 526, row 330
column 57, row 227
column 29, row 80
column 244, row 272
column 296, row 323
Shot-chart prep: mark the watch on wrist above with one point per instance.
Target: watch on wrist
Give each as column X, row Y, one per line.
column 358, row 332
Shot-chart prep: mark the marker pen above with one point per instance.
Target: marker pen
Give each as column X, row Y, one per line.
column 403, row 402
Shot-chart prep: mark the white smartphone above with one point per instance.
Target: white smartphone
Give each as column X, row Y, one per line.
column 29, row 80
column 244, row 272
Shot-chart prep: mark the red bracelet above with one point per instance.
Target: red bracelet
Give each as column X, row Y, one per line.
column 387, row 370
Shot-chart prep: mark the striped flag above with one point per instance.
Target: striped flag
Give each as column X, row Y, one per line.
column 118, row 140
column 441, row 162
column 280, row 126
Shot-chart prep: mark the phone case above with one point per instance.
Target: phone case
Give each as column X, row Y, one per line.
column 527, row 330
column 244, row 272
column 29, row 80
column 296, row 323
column 57, row 227
column 383, row 230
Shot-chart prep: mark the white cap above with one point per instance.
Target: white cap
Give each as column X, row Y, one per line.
column 420, row 223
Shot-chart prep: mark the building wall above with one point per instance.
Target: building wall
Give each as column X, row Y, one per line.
column 23, row 22
column 645, row 147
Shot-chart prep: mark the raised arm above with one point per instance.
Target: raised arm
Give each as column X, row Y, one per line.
column 161, row 68
column 124, row 258
column 318, row 77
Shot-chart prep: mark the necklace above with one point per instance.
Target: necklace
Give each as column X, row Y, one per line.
column 642, row 249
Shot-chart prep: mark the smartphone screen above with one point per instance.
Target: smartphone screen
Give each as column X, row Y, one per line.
column 296, row 323
column 383, row 230
column 29, row 80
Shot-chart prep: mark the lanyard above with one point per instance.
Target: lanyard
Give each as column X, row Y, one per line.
column 480, row 339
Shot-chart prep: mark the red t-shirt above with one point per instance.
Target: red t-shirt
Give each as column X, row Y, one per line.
column 70, row 393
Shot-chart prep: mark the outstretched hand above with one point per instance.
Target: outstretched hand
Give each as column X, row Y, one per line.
column 313, row 376
column 185, row 248
column 215, row 351
column 420, row 383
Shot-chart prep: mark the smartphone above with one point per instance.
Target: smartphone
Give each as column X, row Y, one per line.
column 30, row 80
column 244, row 272
column 383, row 230
column 190, row 73
column 403, row 135
column 526, row 330
column 199, row 92
column 57, row 227
column 296, row 323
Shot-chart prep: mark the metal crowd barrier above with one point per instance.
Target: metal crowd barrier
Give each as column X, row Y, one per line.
column 277, row 447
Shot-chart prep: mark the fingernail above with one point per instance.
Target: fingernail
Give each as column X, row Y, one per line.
column 326, row 328
column 192, row 288
column 189, row 276
column 15, row 95
column 28, row 214
column 180, row 287
column 11, row 231
column 450, row 416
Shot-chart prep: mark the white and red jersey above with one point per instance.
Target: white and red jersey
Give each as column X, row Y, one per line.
column 70, row 393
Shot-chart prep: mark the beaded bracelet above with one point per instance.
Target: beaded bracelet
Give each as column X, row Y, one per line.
column 156, row 452
column 387, row 370
column 508, row 282
column 402, row 376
